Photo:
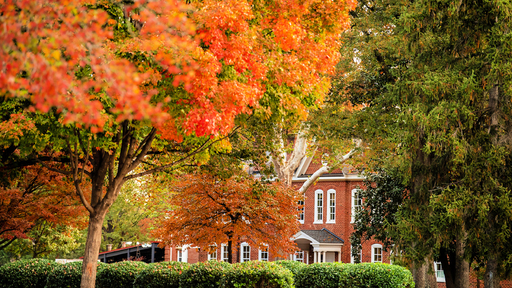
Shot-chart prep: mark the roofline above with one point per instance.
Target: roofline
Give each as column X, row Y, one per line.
column 327, row 178
column 329, row 231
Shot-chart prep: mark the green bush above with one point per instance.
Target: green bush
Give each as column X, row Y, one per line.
column 161, row 275
column 204, row 274
column 120, row 274
column 257, row 274
column 375, row 275
column 67, row 275
column 319, row 275
column 364, row 275
column 26, row 273
column 293, row 266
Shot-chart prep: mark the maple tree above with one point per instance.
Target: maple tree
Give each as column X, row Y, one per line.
column 36, row 196
column 115, row 86
column 209, row 208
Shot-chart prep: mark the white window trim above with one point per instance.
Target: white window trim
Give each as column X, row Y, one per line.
column 329, row 193
column 376, row 246
column 260, row 252
column 184, row 254
column 302, row 212
column 224, row 248
column 300, row 259
column 352, row 216
column 319, row 221
column 442, row 278
column 244, row 244
column 210, row 254
column 352, row 258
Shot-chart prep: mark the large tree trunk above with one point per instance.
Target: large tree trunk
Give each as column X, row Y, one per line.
column 491, row 277
column 92, row 249
column 461, row 265
column 422, row 277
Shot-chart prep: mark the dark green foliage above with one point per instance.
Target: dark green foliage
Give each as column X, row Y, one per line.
column 366, row 275
column 257, row 274
column 120, row 274
column 26, row 273
column 67, row 275
column 161, row 275
column 204, row 275
column 293, row 266
column 383, row 196
column 375, row 275
column 319, row 275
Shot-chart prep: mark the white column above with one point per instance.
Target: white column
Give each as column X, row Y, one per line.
column 323, row 256
column 307, row 257
column 315, row 255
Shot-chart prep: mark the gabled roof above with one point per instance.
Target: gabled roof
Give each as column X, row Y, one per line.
column 323, row 236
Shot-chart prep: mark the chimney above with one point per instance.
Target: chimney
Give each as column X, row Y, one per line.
column 109, row 247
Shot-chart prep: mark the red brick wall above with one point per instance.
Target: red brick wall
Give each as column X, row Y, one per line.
column 342, row 226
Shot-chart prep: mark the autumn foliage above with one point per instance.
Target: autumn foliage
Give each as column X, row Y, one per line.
column 207, row 210
column 37, row 195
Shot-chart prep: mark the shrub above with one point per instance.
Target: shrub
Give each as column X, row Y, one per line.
column 161, row 275
column 67, row 275
column 120, row 274
column 364, row 275
column 257, row 274
column 204, row 274
column 26, row 273
column 319, row 275
column 375, row 275
column 293, row 266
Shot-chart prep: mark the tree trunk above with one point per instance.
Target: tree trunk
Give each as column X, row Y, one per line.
column 461, row 265
column 421, row 275
column 491, row 277
column 230, row 251
column 92, row 249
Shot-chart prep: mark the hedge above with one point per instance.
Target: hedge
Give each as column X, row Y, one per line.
column 376, row 275
column 319, row 275
column 26, row 273
column 161, row 275
column 257, row 274
column 293, row 266
column 204, row 274
column 65, row 275
column 119, row 274
column 364, row 275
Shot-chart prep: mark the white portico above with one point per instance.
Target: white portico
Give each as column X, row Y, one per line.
column 323, row 244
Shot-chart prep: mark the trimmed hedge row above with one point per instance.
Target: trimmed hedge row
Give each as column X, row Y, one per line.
column 40, row 273
column 364, row 275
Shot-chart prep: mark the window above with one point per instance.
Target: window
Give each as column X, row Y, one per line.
column 224, row 252
column 319, row 206
column 213, row 255
column 332, row 206
column 439, row 272
column 245, row 252
column 359, row 255
column 301, row 211
column 357, row 202
column 376, row 253
column 299, row 256
column 263, row 255
column 179, row 255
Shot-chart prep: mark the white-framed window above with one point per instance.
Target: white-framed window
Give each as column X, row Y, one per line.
column 331, row 218
column 301, row 211
column 299, row 256
column 376, row 253
column 263, row 255
column 359, row 255
column 438, row 267
column 245, row 252
column 213, row 255
column 319, row 206
column 181, row 254
column 357, row 202
column 224, row 253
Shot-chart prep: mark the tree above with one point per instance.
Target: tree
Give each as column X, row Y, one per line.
column 430, row 77
column 213, row 208
column 153, row 84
